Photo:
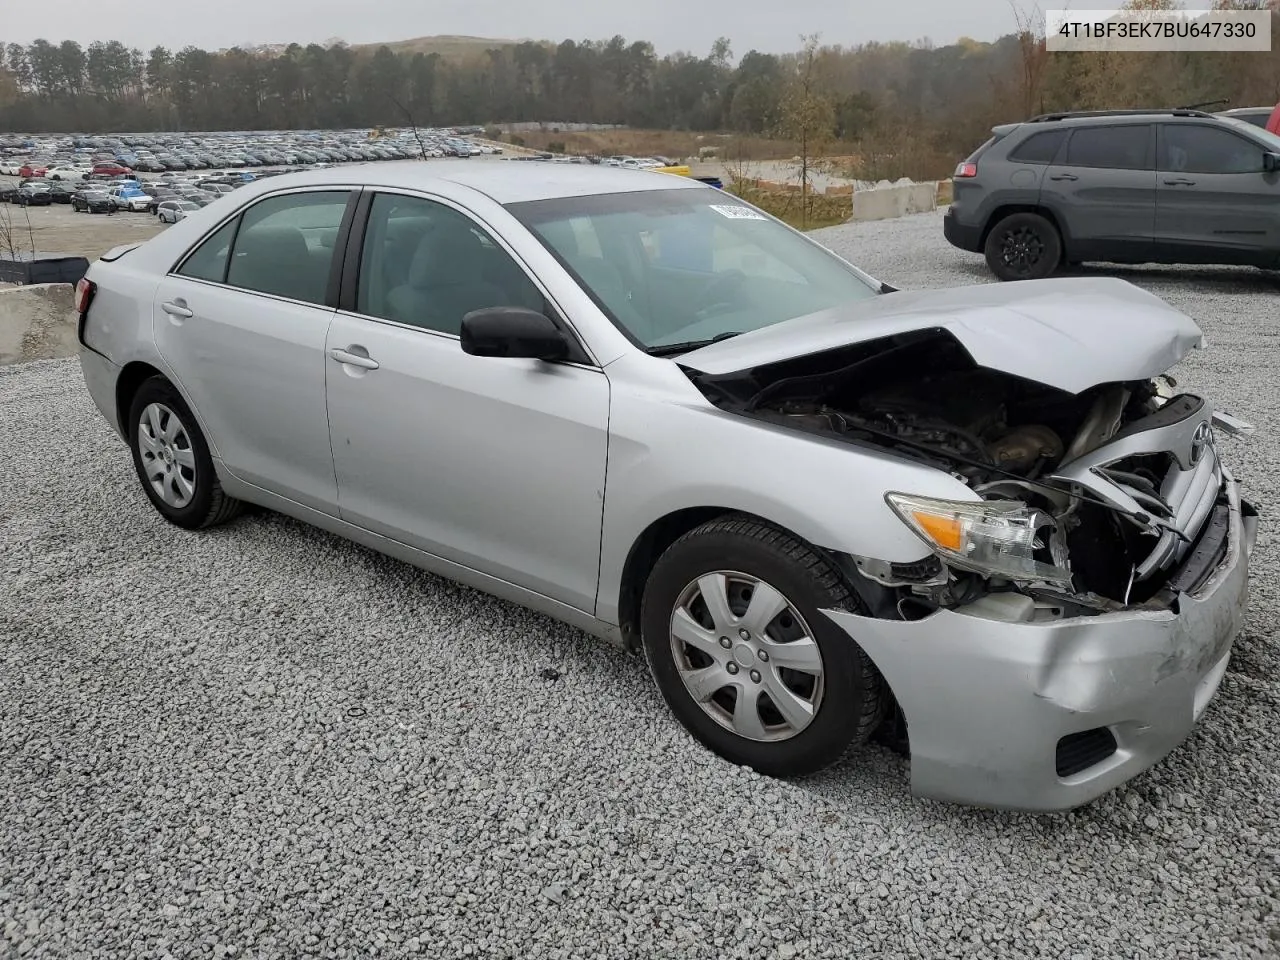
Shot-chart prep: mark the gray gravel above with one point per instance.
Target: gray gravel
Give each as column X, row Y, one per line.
column 265, row 742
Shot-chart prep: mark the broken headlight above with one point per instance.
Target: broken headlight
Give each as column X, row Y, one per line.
column 996, row 538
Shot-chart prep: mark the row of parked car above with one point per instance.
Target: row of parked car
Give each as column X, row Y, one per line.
column 1178, row 186
column 170, row 198
column 77, row 158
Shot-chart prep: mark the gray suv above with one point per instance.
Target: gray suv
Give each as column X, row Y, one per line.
column 1175, row 186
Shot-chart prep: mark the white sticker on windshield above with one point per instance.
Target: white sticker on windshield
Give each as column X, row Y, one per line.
column 737, row 212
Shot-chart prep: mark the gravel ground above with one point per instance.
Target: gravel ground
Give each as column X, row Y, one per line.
column 265, row 742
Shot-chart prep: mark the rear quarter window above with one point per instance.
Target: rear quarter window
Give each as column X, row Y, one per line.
column 1039, row 148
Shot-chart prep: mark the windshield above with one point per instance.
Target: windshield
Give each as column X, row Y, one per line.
column 682, row 267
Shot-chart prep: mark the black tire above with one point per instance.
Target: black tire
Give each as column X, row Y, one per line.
column 208, row 505
column 854, row 697
column 1023, row 246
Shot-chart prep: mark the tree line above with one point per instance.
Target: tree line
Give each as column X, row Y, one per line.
column 899, row 102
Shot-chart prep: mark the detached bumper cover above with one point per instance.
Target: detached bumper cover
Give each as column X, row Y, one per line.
column 987, row 701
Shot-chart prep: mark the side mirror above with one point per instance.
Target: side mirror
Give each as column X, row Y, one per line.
column 512, row 332
column 1271, row 162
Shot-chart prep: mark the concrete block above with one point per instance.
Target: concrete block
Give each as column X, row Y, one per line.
column 37, row 322
column 886, row 202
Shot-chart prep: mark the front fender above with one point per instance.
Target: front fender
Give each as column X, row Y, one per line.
column 670, row 449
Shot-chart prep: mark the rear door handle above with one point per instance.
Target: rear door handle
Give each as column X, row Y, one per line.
column 176, row 308
column 1064, row 176
column 354, row 359
column 1180, row 182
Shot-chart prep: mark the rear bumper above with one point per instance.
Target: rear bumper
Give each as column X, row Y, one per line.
column 100, row 376
column 960, row 234
column 987, row 702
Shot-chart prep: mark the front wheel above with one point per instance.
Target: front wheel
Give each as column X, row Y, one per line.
column 172, row 459
column 1023, row 246
column 735, row 638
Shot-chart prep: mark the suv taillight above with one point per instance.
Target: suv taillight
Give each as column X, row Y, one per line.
column 85, row 289
column 966, row 171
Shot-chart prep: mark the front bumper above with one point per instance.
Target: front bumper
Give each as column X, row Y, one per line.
column 987, row 701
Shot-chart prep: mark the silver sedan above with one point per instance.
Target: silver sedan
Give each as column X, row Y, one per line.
column 978, row 524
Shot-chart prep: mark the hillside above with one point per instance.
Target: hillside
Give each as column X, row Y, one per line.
column 446, row 45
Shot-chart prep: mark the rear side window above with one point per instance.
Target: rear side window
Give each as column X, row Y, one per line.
column 209, row 261
column 1039, row 148
column 285, row 245
column 1112, row 147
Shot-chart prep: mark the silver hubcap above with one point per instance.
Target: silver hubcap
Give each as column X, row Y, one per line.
column 168, row 462
column 746, row 656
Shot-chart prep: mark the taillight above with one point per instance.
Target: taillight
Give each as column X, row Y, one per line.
column 85, row 289
column 966, row 171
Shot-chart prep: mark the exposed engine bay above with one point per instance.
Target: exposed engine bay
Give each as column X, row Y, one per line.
column 1115, row 531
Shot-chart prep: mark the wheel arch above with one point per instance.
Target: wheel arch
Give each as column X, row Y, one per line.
column 1008, row 209
column 132, row 376
column 654, row 540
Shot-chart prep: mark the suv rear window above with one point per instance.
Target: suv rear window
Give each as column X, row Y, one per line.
column 973, row 157
column 1039, row 148
column 1113, row 147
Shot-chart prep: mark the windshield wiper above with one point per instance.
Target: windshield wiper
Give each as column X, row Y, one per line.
column 669, row 349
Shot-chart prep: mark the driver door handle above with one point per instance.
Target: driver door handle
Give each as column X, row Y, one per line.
column 177, row 308
column 1180, row 182
column 354, row 359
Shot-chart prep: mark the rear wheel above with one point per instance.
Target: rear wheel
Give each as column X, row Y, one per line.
column 1023, row 246
column 737, row 643
column 172, row 459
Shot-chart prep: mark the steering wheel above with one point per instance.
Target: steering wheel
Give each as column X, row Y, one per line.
column 719, row 292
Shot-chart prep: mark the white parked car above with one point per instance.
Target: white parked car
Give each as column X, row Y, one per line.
column 68, row 172
column 171, row 211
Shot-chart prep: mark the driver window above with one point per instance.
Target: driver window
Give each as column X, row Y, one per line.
column 427, row 265
column 1194, row 148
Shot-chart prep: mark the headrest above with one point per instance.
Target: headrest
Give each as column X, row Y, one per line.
column 447, row 257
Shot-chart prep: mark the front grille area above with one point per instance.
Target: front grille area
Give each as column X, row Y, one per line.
column 1185, row 500
column 1078, row 752
column 1163, row 472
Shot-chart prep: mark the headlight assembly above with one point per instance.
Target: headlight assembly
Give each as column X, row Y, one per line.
column 996, row 538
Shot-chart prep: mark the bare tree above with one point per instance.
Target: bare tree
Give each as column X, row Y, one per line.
column 13, row 244
column 807, row 116
column 422, row 147
column 1033, row 57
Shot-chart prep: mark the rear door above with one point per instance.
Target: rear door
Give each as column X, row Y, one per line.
column 1102, row 189
column 241, row 322
column 1216, row 203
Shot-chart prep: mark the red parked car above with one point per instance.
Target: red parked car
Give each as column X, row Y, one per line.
column 111, row 169
column 32, row 170
column 1273, row 125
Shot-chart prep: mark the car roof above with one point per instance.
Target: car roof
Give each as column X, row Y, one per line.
column 505, row 181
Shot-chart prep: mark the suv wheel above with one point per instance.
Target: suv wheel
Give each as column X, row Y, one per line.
column 1023, row 246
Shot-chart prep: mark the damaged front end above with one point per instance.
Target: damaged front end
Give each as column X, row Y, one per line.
column 1086, row 503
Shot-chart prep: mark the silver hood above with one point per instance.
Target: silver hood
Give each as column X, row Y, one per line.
column 1067, row 333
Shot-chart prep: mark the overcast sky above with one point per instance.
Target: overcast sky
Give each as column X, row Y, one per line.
column 768, row 25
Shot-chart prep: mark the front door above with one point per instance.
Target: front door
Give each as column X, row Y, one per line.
column 497, row 464
column 1216, row 201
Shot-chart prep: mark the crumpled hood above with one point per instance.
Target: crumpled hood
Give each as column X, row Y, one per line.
column 1070, row 333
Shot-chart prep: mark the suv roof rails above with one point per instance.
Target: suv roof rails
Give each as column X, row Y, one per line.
column 1072, row 114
